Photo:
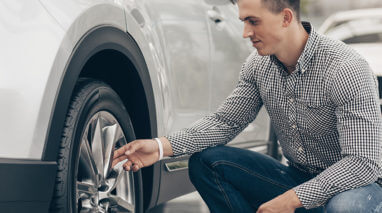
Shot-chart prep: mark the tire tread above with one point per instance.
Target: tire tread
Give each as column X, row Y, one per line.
column 83, row 87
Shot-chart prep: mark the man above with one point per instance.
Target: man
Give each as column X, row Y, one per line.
column 322, row 100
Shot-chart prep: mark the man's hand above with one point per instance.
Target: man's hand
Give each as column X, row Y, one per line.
column 285, row 203
column 140, row 153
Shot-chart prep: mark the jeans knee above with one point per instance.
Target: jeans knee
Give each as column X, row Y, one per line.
column 336, row 206
column 203, row 159
column 193, row 166
column 346, row 203
column 363, row 199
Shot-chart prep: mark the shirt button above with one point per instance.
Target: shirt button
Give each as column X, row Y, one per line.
column 184, row 150
column 300, row 149
column 294, row 126
column 291, row 100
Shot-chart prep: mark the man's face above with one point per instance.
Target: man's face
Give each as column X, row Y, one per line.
column 264, row 28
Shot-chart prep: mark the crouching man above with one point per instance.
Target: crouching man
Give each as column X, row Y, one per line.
column 322, row 99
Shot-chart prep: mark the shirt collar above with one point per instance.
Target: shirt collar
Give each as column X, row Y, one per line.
column 309, row 49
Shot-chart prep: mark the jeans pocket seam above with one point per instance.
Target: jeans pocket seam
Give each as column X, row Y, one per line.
column 228, row 163
column 222, row 190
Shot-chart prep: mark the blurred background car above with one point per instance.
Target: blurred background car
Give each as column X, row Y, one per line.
column 362, row 30
column 80, row 78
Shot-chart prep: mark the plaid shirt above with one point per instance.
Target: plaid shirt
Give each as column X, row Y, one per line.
column 326, row 116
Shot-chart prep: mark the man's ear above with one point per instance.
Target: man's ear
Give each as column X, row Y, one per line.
column 288, row 17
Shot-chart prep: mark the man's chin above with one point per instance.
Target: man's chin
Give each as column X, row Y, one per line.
column 261, row 52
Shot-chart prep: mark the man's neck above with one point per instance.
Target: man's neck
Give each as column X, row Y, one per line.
column 294, row 45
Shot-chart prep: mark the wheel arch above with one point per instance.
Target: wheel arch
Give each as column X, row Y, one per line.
column 101, row 48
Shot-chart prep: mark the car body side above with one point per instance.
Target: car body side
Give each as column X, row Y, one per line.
column 40, row 42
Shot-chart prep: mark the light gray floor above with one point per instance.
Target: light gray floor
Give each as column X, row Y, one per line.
column 189, row 203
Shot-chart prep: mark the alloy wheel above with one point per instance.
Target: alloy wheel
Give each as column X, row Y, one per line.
column 100, row 188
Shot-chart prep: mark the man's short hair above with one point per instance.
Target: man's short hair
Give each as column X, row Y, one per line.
column 276, row 6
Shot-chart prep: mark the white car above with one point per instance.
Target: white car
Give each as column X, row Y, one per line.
column 80, row 78
column 362, row 30
column 350, row 22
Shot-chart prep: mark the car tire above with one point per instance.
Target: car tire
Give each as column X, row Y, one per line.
column 96, row 124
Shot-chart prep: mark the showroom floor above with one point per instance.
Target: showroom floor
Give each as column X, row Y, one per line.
column 189, row 203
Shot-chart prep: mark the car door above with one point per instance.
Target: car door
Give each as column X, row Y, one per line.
column 228, row 54
column 184, row 37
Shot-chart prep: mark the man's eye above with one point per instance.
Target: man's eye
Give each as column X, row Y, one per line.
column 252, row 22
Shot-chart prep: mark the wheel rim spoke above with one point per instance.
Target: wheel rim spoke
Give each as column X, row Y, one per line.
column 86, row 158
column 112, row 134
column 126, row 186
column 115, row 177
column 86, row 190
column 97, row 146
column 88, row 209
column 120, row 203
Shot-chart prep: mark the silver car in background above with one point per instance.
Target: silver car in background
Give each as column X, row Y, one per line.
column 80, row 78
column 362, row 30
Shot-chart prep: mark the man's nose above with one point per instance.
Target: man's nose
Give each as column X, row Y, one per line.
column 247, row 32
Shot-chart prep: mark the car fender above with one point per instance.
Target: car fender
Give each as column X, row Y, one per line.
column 141, row 28
column 38, row 46
column 77, row 19
column 145, row 37
column 146, row 40
column 30, row 39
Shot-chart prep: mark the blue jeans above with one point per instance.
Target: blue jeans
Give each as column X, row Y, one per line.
column 237, row 180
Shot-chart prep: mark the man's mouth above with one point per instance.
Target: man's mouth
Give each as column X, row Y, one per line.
column 255, row 41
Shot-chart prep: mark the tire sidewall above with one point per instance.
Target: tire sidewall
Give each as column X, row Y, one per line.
column 94, row 97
